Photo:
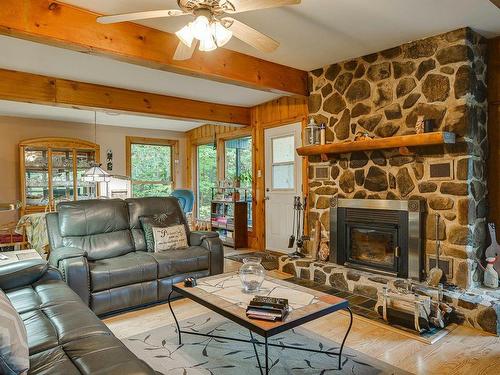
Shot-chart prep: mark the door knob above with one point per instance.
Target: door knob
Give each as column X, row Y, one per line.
column 266, row 198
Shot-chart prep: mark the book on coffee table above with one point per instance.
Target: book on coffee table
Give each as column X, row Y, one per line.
column 268, row 308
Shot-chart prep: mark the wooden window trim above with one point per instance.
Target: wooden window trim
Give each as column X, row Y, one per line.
column 129, row 141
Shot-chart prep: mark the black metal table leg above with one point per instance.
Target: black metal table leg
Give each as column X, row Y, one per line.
column 267, row 355
column 256, row 353
column 345, row 338
column 175, row 318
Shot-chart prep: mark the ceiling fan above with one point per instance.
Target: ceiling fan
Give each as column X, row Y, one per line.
column 213, row 26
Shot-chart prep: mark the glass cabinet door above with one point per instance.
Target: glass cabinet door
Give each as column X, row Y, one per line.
column 84, row 189
column 36, row 177
column 62, row 175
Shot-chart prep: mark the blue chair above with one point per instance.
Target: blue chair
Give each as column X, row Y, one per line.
column 186, row 199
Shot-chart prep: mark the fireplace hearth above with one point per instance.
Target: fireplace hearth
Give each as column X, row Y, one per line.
column 380, row 236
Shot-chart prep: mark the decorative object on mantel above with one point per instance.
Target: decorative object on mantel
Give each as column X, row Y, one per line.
column 494, row 249
column 322, row 134
column 361, row 136
column 426, row 139
column 429, row 125
column 312, row 133
column 435, row 274
column 419, row 126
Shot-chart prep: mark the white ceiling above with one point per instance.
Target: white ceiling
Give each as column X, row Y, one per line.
column 320, row 32
column 26, row 56
column 37, row 111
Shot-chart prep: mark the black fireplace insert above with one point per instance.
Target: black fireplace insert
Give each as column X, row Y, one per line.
column 378, row 236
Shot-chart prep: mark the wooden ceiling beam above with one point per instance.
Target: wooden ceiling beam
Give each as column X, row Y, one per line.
column 66, row 26
column 33, row 88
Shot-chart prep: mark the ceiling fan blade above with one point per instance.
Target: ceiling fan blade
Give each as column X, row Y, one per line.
column 250, row 36
column 184, row 52
column 247, row 5
column 140, row 16
column 496, row 2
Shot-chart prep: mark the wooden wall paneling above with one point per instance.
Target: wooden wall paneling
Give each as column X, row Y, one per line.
column 494, row 131
column 66, row 26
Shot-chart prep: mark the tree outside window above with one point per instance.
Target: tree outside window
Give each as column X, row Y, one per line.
column 151, row 167
column 206, row 179
column 238, row 166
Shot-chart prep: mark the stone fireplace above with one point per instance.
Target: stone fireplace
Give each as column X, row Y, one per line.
column 381, row 236
column 382, row 94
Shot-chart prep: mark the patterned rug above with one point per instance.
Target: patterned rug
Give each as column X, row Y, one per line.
column 269, row 261
column 209, row 356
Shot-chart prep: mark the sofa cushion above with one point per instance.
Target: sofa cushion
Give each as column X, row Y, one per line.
column 53, row 315
column 148, row 223
column 84, row 218
column 14, row 355
column 152, row 206
column 102, row 245
column 173, row 262
column 97, row 355
column 127, row 269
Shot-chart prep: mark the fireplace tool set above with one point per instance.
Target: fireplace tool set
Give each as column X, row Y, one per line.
column 298, row 237
column 415, row 307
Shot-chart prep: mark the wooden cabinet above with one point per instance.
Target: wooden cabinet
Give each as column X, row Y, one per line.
column 51, row 171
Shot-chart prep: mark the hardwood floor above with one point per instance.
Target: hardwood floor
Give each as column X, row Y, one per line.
column 463, row 351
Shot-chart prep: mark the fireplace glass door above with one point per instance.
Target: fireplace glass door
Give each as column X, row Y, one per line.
column 373, row 246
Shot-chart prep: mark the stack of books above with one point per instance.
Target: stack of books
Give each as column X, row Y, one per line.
column 268, row 308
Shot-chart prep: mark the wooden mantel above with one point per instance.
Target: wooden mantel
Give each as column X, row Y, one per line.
column 426, row 139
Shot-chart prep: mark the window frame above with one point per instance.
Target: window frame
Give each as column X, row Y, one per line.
column 197, row 174
column 282, row 163
column 174, row 154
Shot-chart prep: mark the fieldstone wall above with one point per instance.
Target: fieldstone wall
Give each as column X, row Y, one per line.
column 382, row 94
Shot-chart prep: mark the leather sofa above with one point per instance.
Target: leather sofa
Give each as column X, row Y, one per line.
column 64, row 336
column 100, row 249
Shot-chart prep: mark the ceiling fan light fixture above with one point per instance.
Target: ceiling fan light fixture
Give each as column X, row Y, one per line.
column 221, row 34
column 207, row 44
column 185, row 35
column 200, row 27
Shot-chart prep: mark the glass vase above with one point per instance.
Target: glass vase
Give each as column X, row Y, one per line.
column 252, row 274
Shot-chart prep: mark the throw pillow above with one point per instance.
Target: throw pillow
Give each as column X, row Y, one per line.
column 159, row 221
column 14, row 354
column 170, row 238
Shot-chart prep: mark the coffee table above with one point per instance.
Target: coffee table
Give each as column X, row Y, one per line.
column 223, row 294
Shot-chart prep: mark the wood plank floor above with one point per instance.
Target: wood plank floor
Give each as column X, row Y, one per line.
column 463, row 351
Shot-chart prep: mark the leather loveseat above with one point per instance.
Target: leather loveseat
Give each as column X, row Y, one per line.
column 64, row 336
column 100, row 249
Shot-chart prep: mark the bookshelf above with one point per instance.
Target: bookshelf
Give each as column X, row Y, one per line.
column 230, row 218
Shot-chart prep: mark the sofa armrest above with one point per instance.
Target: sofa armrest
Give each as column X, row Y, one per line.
column 59, row 254
column 216, row 248
column 196, row 238
column 72, row 262
column 25, row 272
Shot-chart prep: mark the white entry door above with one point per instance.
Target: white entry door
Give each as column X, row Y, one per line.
column 283, row 182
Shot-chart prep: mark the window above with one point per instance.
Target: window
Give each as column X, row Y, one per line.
column 283, row 163
column 206, row 177
column 150, row 165
column 238, row 165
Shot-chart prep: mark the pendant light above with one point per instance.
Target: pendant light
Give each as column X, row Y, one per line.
column 95, row 173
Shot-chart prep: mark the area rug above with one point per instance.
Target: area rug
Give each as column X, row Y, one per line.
column 209, row 356
column 269, row 261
